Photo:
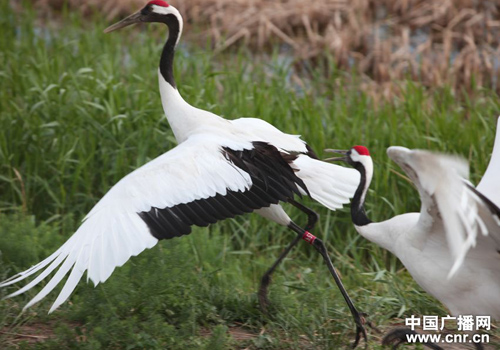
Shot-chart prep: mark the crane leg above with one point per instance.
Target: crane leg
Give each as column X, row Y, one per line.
column 312, row 219
column 320, row 247
column 358, row 317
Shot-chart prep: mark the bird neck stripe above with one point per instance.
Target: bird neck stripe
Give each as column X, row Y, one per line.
column 358, row 213
column 167, row 56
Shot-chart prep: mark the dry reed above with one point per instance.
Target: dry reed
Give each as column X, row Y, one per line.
column 446, row 42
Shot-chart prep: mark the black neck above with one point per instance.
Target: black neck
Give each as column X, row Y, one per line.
column 167, row 56
column 358, row 213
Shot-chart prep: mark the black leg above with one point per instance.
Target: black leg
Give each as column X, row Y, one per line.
column 398, row 336
column 320, row 247
column 266, row 279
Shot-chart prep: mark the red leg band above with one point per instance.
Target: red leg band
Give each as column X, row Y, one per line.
column 309, row 237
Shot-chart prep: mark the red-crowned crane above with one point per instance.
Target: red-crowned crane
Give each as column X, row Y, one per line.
column 221, row 168
column 452, row 247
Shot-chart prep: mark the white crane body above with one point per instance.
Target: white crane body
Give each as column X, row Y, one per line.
column 452, row 247
column 220, row 168
column 469, row 292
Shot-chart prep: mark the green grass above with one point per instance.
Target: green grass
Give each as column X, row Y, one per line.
column 80, row 109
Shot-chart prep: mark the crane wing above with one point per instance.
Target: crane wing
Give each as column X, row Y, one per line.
column 490, row 183
column 449, row 203
column 329, row 184
column 199, row 182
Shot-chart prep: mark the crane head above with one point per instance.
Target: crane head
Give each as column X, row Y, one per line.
column 154, row 11
column 356, row 155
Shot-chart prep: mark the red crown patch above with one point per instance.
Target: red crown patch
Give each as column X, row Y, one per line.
column 159, row 3
column 362, row 150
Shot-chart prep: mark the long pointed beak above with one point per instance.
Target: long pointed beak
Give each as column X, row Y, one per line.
column 336, row 159
column 134, row 18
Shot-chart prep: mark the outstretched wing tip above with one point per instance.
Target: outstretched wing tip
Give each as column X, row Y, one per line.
column 448, row 197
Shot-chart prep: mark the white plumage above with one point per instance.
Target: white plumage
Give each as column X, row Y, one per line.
column 490, row 183
column 332, row 187
column 449, row 207
column 452, row 247
column 198, row 169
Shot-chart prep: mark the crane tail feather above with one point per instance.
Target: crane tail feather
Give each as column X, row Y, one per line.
column 329, row 184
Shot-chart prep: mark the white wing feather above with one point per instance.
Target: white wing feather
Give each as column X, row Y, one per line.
column 112, row 232
column 490, row 183
column 446, row 200
column 259, row 130
column 330, row 184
